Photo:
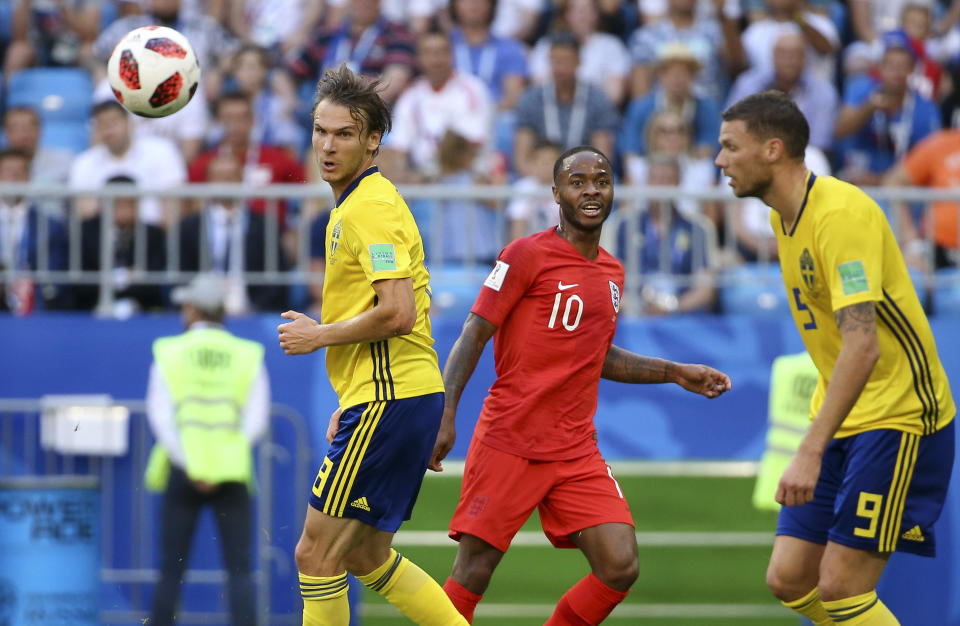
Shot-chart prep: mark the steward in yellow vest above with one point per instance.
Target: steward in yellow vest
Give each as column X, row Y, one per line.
column 208, row 402
column 792, row 381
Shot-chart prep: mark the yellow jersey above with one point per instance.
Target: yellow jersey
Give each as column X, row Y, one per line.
column 841, row 251
column 372, row 236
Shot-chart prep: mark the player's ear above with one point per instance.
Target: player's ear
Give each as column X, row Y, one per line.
column 774, row 149
column 374, row 140
column 556, row 194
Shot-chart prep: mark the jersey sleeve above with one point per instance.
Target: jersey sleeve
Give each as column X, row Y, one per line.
column 850, row 245
column 377, row 240
column 512, row 275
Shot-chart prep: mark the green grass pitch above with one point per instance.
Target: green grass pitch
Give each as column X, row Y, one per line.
column 679, row 585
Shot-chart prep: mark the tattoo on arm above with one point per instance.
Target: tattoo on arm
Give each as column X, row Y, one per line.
column 626, row 367
column 464, row 355
column 860, row 317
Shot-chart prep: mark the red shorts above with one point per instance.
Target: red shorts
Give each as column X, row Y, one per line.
column 500, row 491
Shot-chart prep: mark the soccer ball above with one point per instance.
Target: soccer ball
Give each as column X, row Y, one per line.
column 153, row 71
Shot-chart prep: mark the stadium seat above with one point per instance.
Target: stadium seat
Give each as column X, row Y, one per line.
column 754, row 289
column 72, row 136
column 946, row 295
column 454, row 288
column 59, row 94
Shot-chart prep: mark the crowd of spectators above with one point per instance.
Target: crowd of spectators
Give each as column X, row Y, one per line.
column 482, row 92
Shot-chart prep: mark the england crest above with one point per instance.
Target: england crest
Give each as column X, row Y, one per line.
column 615, row 296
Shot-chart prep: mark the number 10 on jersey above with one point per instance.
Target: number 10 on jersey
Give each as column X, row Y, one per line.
column 567, row 311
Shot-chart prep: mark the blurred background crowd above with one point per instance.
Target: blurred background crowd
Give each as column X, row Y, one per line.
column 483, row 92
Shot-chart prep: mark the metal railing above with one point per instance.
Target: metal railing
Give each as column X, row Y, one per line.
column 134, row 562
column 428, row 202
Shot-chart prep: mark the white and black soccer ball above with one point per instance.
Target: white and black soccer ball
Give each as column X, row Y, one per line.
column 153, row 71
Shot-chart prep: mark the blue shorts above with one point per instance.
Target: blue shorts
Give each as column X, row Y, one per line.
column 880, row 491
column 375, row 465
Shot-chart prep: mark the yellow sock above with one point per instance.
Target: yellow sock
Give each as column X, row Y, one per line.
column 862, row 610
column 413, row 592
column 811, row 607
column 325, row 600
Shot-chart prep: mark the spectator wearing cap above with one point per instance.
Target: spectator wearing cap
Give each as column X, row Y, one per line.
column 816, row 98
column 882, row 117
column 677, row 68
column 208, row 403
column 604, row 60
column 783, row 16
column 564, row 110
column 442, row 99
column 714, row 41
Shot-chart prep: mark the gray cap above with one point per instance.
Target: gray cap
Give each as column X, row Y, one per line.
column 206, row 292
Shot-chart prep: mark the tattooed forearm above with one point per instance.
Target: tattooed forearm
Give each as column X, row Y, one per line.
column 626, row 367
column 464, row 356
column 860, row 317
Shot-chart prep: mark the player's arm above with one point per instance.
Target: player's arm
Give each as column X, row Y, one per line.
column 394, row 314
column 859, row 352
column 460, row 364
column 624, row 366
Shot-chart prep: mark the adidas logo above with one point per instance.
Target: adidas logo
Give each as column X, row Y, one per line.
column 361, row 503
column 913, row 534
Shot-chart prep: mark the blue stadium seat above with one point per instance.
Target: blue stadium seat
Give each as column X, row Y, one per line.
column 946, row 295
column 72, row 136
column 754, row 289
column 63, row 94
column 455, row 288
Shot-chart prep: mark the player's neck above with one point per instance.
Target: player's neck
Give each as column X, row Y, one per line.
column 786, row 194
column 587, row 243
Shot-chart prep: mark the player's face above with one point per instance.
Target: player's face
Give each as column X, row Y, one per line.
column 584, row 191
column 341, row 146
column 741, row 159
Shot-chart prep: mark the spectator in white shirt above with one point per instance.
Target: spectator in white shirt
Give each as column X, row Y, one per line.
column 153, row 162
column 441, row 99
column 823, row 40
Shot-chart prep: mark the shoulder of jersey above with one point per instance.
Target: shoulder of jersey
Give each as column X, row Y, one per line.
column 840, row 195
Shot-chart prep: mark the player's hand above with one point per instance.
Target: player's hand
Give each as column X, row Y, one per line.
column 799, row 479
column 702, row 379
column 445, row 439
column 297, row 336
column 334, row 425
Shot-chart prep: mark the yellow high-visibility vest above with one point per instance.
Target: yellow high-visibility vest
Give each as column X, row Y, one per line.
column 793, row 379
column 208, row 372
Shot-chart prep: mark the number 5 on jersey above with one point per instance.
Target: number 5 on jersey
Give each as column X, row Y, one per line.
column 812, row 324
column 568, row 313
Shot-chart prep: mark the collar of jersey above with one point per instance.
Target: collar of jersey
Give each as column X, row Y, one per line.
column 346, row 192
column 806, row 196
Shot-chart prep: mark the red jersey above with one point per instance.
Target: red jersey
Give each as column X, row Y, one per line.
column 556, row 314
